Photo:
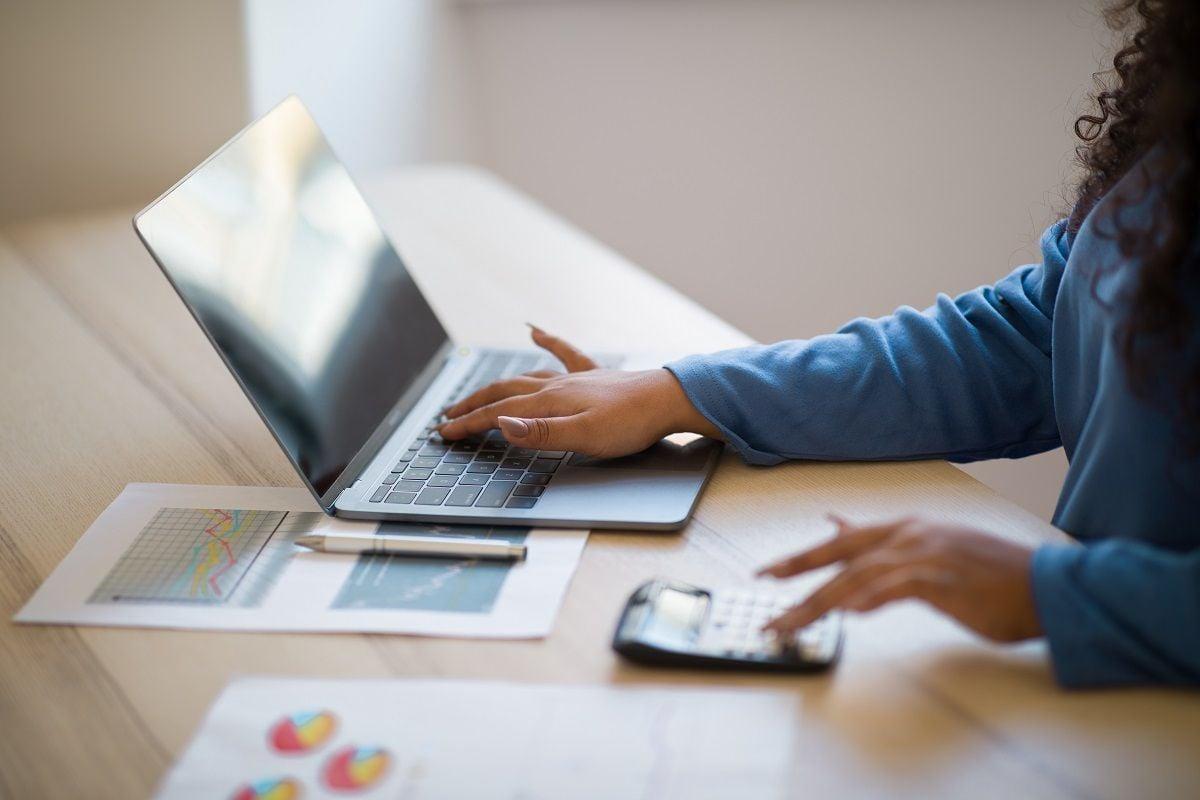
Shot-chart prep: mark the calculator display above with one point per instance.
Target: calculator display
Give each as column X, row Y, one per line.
column 674, row 618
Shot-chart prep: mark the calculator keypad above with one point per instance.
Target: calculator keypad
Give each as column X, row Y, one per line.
column 733, row 629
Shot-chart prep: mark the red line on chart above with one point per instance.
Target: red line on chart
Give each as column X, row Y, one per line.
column 211, row 531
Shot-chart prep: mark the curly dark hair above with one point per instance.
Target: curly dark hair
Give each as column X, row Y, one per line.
column 1150, row 99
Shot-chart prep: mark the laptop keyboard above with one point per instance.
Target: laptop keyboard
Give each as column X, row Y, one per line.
column 480, row 471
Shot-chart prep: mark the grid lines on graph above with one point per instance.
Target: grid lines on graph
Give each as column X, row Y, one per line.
column 191, row 555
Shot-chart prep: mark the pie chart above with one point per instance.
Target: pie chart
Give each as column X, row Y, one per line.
column 268, row 789
column 302, row 732
column 353, row 768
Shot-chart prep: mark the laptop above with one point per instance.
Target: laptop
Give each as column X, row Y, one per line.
column 285, row 268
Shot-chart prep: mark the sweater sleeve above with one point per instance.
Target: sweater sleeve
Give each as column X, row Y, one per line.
column 1119, row 612
column 966, row 379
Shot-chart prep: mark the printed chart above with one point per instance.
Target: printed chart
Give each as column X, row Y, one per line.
column 422, row 739
column 225, row 558
column 429, row 584
column 199, row 556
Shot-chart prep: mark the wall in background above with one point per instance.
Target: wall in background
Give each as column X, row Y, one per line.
column 794, row 164
column 381, row 77
column 111, row 101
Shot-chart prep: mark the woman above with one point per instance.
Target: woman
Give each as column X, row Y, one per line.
column 1095, row 349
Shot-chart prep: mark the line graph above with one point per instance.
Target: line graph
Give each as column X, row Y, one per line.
column 191, row 555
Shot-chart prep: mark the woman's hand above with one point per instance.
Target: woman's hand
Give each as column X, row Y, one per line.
column 980, row 580
column 597, row 412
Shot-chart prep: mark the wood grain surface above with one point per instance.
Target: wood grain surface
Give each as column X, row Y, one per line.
column 106, row 380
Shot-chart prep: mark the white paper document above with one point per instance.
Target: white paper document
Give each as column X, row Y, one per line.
column 416, row 739
column 224, row 558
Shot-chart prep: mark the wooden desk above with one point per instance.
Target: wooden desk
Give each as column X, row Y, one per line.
column 106, row 380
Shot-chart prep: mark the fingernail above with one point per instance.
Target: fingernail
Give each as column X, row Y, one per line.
column 517, row 427
column 534, row 328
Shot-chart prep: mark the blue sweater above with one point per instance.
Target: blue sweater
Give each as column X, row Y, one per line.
column 1005, row 371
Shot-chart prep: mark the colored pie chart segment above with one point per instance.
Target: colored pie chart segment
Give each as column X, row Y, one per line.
column 353, row 768
column 268, row 789
column 302, row 732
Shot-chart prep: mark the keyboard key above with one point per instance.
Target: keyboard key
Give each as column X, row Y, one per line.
column 409, row 486
column 520, row 502
column 487, row 455
column 415, row 474
column 432, row 496
column 508, row 474
column 515, row 463
column 528, row 491
column 481, row 468
column 551, row 453
column 464, row 447
column 458, row 458
column 495, row 494
column 472, row 480
column 380, row 493
column 434, row 450
column 522, row 452
column 534, row 479
column 426, row 462
column 543, row 465
column 463, row 495
column 442, row 480
column 403, row 498
column 450, row 469
column 390, row 478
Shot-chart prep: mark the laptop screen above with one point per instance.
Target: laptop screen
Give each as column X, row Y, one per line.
column 283, row 264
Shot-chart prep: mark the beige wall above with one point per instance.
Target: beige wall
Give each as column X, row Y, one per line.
column 111, row 101
column 794, row 164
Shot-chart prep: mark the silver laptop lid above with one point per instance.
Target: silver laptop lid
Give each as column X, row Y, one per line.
column 278, row 257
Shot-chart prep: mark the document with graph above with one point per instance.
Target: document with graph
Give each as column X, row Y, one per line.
column 224, row 557
column 415, row 738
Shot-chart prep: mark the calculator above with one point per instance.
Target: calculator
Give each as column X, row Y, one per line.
column 668, row 623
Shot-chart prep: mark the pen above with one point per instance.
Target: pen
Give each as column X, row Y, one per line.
column 426, row 546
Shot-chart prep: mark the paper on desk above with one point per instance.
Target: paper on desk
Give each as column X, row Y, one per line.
column 437, row 738
column 222, row 557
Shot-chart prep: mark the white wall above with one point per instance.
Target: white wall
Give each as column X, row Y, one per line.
column 106, row 102
column 794, row 164
column 379, row 76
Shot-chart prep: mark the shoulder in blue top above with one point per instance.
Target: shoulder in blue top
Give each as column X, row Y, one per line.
column 1005, row 371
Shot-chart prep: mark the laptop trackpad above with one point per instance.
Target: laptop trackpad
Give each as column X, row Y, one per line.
column 670, row 453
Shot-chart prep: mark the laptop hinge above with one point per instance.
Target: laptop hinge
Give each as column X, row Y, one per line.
column 416, row 390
